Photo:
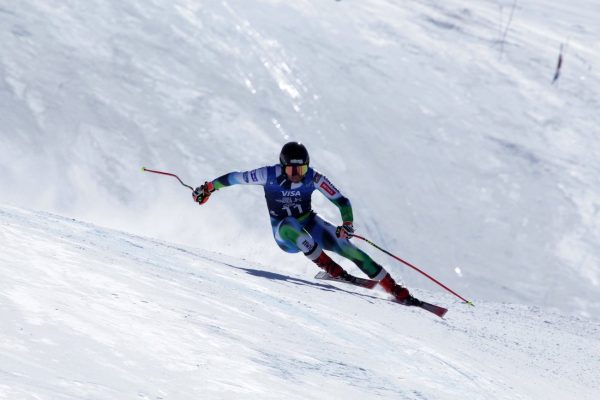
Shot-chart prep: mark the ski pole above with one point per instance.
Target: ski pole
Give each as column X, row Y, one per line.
column 167, row 173
column 415, row 268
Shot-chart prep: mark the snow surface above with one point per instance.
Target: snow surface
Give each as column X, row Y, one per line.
column 437, row 119
column 92, row 313
column 454, row 147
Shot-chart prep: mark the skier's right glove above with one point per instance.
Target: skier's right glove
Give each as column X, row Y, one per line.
column 202, row 193
column 345, row 231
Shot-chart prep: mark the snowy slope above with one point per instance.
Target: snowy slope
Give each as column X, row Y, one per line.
column 91, row 313
column 437, row 118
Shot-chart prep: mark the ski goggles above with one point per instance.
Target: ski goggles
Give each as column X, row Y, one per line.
column 296, row 170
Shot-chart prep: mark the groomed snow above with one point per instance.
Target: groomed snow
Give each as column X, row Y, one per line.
column 437, row 119
column 92, row 313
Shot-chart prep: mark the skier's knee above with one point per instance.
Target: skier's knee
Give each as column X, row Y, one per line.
column 289, row 229
column 288, row 247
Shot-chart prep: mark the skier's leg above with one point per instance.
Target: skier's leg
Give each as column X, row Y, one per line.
column 289, row 246
column 292, row 237
column 324, row 233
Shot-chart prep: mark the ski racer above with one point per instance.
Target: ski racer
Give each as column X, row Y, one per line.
column 288, row 188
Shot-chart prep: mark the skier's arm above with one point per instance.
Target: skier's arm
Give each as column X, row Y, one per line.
column 335, row 196
column 254, row 177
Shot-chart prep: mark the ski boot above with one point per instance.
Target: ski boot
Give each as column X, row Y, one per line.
column 400, row 293
column 325, row 262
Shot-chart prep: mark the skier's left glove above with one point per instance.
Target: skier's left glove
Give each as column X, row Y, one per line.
column 345, row 231
column 202, row 193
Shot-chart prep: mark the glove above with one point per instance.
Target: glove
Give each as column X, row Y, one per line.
column 202, row 193
column 345, row 231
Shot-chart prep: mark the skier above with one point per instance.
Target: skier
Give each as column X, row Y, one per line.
column 296, row 227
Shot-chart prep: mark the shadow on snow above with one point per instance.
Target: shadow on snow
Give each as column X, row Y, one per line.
column 296, row 281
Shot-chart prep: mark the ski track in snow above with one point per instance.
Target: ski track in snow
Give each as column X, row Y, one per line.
column 95, row 313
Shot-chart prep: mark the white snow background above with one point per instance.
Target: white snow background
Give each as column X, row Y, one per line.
column 437, row 119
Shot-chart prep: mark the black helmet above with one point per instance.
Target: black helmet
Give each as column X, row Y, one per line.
column 294, row 153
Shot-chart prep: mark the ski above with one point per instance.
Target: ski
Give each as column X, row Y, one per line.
column 437, row 310
column 370, row 284
column 432, row 308
column 350, row 279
